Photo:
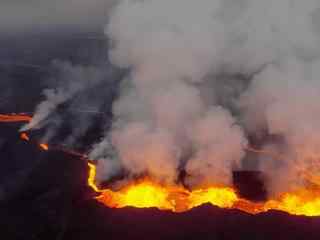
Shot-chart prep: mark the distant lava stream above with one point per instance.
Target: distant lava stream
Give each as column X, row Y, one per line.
column 15, row 117
column 146, row 193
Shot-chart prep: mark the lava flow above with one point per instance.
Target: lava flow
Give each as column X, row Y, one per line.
column 44, row 146
column 15, row 117
column 145, row 193
column 24, row 136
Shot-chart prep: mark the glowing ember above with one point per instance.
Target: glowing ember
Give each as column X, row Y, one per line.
column 15, row 118
column 24, row 137
column 44, row 147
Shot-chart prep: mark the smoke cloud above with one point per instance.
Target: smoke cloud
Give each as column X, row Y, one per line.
column 70, row 80
column 161, row 117
column 285, row 97
column 205, row 79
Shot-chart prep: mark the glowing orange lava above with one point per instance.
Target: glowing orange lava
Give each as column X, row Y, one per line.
column 44, row 146
column 15, row 117
column 141, row 195
column 24, row 137
column 91, row 177
column 221, row 197
column 300, row 202
column 146, row 193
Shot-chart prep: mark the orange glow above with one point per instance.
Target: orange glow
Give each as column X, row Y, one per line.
column 146, row 193
column 92, row 176
column 24, row 137
column 15, row 118
column 141, row 195
column 221, row 197
column 301, row 202
column 44, row 147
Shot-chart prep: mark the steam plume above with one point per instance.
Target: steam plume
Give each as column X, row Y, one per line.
column 161, row 115
column 205, row 78
column 285, row 97
column 71, row 79
column 177, row 49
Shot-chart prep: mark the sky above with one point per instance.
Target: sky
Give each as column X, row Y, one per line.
column 35, row 15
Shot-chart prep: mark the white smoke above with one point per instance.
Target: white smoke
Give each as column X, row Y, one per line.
column 285, row 97
column 165, row 113
column 184, row 103
column 108, row 164
column 218, row 144
column 71, row 80
column 161, row 113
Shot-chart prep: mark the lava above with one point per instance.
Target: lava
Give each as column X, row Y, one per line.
column 142, row 195
column 15, row 117
column 301, row 202
column 222, row 197
column 44, row 146
column 24, row 137
column 146, row 193
column 91, row 177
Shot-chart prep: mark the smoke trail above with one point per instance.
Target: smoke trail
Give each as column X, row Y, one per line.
column 70, row 80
